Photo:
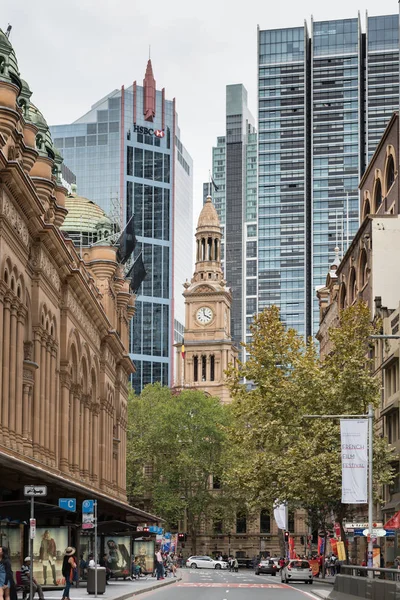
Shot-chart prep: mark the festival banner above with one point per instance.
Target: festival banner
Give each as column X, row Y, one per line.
column 315, row 566
column 354, row 433
column 333, row 546
column 292, row 551
column 321, row 545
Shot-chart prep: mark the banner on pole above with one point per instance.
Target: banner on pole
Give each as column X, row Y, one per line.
column 280, row 515
column 354, row 445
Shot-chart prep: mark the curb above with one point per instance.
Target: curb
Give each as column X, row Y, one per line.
column 151, row 588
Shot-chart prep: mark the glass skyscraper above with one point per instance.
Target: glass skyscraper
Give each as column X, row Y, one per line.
column 128, row 157
column 325, row 96
column 234, row 169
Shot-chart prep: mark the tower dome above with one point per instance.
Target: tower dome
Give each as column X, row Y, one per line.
column 86, row 222
column 8, row 61
column 208, row 218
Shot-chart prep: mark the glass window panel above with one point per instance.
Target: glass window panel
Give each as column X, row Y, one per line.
column 138, row 162
column 148, row 164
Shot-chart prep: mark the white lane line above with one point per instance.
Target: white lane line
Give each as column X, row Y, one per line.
column 309, row 594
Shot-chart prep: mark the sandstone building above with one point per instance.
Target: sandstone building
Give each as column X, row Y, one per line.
column 64, row 319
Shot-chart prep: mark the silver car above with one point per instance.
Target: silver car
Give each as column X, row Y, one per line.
column 297, row 570
column 205, row 562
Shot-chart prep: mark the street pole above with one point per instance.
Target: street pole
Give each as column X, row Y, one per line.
column 287, row 529
column 370, row 487
column 31, row 548
column 95, row 550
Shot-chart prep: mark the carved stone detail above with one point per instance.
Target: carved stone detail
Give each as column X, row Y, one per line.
column 40, row 260
column 12, row 216
column 83, row 319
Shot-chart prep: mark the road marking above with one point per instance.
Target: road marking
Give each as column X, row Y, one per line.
column 309, row 594
column 234, row 585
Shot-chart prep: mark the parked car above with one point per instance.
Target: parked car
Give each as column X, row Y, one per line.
column 297, row 570
column 205, row 562
column 267, row 567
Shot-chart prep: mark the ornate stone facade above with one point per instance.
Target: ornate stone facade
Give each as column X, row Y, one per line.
column 64, row 363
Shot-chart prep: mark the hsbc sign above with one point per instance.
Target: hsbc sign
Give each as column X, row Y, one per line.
column 160, row 133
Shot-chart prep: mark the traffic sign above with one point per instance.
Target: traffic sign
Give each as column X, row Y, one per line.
column 67, row 504
column 88, row 506
column 375, row 533
column 35, row 490
column 361, row 525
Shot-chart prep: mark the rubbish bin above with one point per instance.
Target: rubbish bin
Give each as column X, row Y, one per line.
column 101, row 580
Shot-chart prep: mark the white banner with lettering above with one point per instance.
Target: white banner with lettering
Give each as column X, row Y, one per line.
column 354, row 443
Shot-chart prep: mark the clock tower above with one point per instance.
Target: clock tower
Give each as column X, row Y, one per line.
column 208, row 346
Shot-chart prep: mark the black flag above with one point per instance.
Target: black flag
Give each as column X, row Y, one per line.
column 215, row 186
column 137, row 272
column 127, row 242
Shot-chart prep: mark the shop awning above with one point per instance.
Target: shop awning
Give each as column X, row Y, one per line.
column 21, row 472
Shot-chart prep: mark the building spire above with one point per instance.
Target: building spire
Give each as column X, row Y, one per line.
column 149, row 93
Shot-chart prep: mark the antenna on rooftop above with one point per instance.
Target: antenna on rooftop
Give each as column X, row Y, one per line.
column 8, row 31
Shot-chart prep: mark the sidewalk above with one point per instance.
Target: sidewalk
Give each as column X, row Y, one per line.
column 115, row 590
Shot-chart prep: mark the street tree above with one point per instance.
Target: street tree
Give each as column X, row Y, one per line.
column 293, row 459
column 175, row 452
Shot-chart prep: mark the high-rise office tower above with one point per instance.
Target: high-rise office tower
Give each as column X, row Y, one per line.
column 234, row 169
column 325, row 95
column 128, row 157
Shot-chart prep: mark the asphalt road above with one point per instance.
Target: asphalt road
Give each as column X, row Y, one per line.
column 207, row 584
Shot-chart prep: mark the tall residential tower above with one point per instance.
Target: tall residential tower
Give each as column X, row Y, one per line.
column 127, row 155
column 325, row 95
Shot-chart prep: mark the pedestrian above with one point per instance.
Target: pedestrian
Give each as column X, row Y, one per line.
column 235, row 565
column 69, row 570
column 48, row 556
column 332, row 565
column 26, row 578
column 103, row 562
column 8, row 590
column 159, row 565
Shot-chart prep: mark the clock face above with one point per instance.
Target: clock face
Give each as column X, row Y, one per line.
column 204, row 315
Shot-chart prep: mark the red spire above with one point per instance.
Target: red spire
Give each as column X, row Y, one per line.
column 149, row 93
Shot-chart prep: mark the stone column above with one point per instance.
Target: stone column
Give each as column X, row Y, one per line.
column 12, row 374
column 102, row 446
column 6, row 358
column 65, row 419
column 53, row 403
column 86, row 438
column 76, row 430
column 95, row 443
column 71, row 426
column 1, row 352
column 19, row 378
column 29, row 368
column 42, row 367
column 48, row 401
column 36, row 394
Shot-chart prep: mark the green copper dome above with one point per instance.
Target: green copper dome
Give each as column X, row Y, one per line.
column 86, row 220
column 8, row 61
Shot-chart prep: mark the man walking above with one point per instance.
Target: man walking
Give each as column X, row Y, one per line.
column 26, row 578
column 159, row 564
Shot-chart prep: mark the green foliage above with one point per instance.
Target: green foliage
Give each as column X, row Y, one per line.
column 275, row 453
column 181, row 438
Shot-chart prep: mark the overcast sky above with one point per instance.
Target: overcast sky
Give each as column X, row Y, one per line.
column 74, row 52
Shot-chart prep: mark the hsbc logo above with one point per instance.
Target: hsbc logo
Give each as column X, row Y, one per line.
column 160, row 133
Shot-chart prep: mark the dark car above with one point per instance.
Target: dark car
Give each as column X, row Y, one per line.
column 268, row 567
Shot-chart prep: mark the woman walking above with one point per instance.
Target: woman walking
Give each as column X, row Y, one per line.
column 68, row 570
column 7, row 585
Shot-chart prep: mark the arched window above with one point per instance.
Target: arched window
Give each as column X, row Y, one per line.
column 195, row 368
column 366, row 208
column 362, row 275
column 389, row 173
column 212, row 368
column 342, row 296
column 377, row 195
column 216, row 257
column 352, row 285
column 203, row 368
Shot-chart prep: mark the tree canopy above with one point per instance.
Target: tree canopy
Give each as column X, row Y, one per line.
column 292, row 458
column 175, row 451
